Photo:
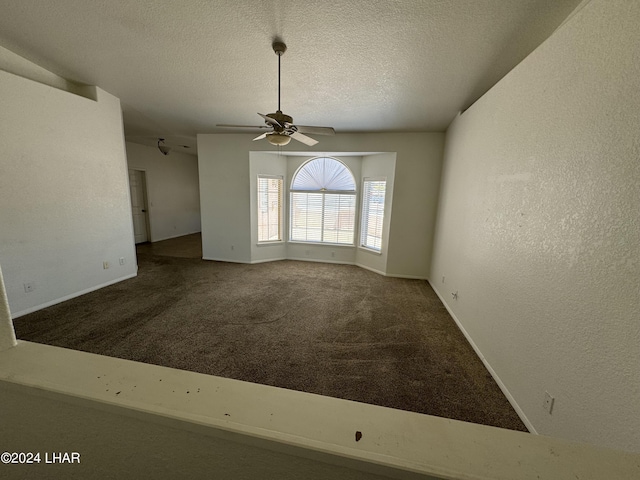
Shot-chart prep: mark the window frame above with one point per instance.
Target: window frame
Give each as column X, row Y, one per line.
column 365, row 218
column 280, row 209
column 324, row 192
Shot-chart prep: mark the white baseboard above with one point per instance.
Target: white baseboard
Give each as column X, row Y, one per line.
column 379, row 272
column 268, row 260
column 495, row 376
column 173, row 236
column 69, row 297
column 224, row 260
column 411, row 277
column 392, row 275
column 319, row 260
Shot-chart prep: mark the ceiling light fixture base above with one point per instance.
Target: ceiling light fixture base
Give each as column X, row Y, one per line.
column 279, row 48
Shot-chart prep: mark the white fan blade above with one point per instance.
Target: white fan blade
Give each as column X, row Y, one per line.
column 260, row 137
column 316, row 130
column 303, row 138
column 270, row 120
column 241, row 126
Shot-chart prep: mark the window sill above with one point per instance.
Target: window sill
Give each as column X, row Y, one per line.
column 267, row 244
column 370, row 250
column 321, row 244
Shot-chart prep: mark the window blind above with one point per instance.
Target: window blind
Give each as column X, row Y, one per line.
column 323, row 203
column 373, row 193
column 269, row 208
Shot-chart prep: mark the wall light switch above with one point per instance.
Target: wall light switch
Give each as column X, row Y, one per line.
column 121, row 260
column 105, row 265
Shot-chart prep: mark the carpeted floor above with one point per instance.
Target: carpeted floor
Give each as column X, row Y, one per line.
column 335, row 330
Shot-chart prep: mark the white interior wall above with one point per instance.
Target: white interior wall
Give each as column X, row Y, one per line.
column 538, row 228
column 173, row 194
column 224, row 168
column 64, row 193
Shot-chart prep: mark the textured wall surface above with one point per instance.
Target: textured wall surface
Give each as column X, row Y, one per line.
column 172, row 189
column 64, row 198
column 538, row 228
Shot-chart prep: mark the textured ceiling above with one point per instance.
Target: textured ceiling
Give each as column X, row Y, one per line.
column 181, row 67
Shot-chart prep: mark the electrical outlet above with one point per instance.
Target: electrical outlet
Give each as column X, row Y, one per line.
column 29, row 287
column 232, row 247
column 106, row 265
column 333, row 254
column 443, row 279
column 121, row 260
column 548, row 402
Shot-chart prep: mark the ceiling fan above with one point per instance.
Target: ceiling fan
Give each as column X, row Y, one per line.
column 281, row 125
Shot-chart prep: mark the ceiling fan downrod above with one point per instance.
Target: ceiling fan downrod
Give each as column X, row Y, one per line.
column 279, row 48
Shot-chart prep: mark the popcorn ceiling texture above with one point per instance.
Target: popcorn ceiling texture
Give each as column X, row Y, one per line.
column 538, row 228
column 357, row 65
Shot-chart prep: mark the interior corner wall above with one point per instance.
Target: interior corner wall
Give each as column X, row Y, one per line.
column 64, row 199
column 538, row 228
column 173, row 193
column 224, row 167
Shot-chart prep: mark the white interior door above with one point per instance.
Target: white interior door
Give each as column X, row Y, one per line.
column 138, row 205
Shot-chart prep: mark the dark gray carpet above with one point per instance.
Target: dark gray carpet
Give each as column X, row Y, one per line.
column 335, row 330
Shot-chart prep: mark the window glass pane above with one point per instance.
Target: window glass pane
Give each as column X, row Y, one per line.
column 372, row 213
column 269, row 209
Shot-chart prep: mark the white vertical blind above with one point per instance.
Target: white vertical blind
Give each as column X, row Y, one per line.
column 373, row 193
column 269, row 208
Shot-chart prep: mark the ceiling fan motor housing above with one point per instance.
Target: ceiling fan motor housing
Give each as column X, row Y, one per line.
column 281, row 118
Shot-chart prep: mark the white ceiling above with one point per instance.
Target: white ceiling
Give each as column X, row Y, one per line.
column 182, row 66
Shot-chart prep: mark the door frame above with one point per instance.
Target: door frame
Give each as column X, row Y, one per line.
column 145, row 201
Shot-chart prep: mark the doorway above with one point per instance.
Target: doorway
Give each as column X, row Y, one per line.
column 139, row 209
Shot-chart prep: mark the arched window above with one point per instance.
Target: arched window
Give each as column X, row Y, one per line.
column 323, row 202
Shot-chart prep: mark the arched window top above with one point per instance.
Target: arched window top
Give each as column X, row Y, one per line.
column 324, row 173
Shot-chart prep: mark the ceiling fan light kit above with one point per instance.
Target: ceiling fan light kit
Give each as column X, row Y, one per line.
column 281, row 125
column 278, row 139
column 162, row 147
